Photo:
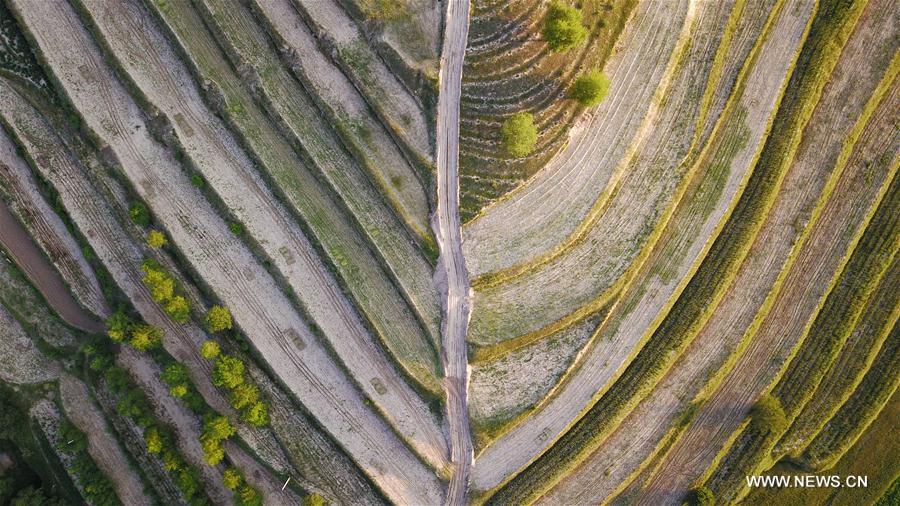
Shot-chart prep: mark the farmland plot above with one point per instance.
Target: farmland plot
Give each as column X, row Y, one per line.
column 291, row 104
column 21, row 362
column 708, row 200
column 557, row 198
column 48, row 230
column 798, row 292
column 334, row 92
column 79, row 408
column 395, row 106
column 580, row 278
column 509, row 69
column 376, row 297
column 144, row 53
column 831, row 122
column 281, row 338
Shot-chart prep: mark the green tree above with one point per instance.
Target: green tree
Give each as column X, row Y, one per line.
column 590, row 89
column 210, row 349
column 156, row 239
column 154, row 440
column 162, row 287
column 519, row 134
column 563, row 27
column 228, row 372
column 767, row 415
column 248, row 496
column 118, row 326
column 213, row 452
column 178, row 309
column 179, row 391
column 174, row 374
column 257, row 415
column 700, row 496
column 218, row 318
column 139, row 214
column 145, row 337
column 232, row 478
column 218, row 427
column 244, row 395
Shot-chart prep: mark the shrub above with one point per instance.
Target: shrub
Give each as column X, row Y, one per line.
column 154, row 440
column 519, row 134
column 179, row 391
column 248, row 496
column 314, row 500
column 236, row 228
column 162, row 287
column 156, row 239
column 563, row 28
column 188, row 482
column 257, row 415
column 174, row 374
column 171, row 460
column 218, row 318
column 700, row 496
column 210, row 349
column 228, row 372
column 218, row 427
column 232, row 478
column 118, row 326
column 145, row 337
column 213, row 452
column 768, row 416
column 590, row 89
column 178, row 309
column 139, row 214
column 197, row 180
column 244, row 395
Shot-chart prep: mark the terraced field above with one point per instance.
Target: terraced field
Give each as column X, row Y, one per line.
column 419, row 252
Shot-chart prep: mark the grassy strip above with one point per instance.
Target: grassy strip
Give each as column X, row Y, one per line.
column 829, row 331
column 863, row 406
column 96, row 487
column 848, row 370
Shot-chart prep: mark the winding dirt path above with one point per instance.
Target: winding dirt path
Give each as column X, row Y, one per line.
column 451, row 274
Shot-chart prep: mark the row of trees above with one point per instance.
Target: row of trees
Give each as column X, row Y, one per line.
column 95, row 485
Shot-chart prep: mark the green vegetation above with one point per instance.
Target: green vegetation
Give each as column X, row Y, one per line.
column 210, row 349
column 590, row 89
column 97, row 488
column 164, row 291
column 139, row 214
column 519, row 134
column 563, row 27
column 215, row 430
column 767, row 415
column 156, row 239
column 230, row 373
column 145, row 337
column 218, row 319
column 701, row 496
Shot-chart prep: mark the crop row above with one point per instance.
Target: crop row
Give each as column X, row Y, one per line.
column 828, row 333
column 790, row 306
column 631, row 321
column 642, row 190
column 247, row 46
column 558, row 198
column 206, row 142
column 83, row 204
column 538, row 86
column 367, row 284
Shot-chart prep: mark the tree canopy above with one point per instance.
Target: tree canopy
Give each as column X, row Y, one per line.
column 563, row 27
column 218, row 318
column 590, row 89
column 519, row 134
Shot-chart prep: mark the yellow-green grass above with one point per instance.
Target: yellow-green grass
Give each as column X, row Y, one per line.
column 874, row 455
column 830, row 329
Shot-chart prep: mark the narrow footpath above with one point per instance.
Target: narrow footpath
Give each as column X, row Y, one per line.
column 451, row 274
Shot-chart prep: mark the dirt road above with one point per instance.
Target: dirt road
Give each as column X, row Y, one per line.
column 451, row 272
